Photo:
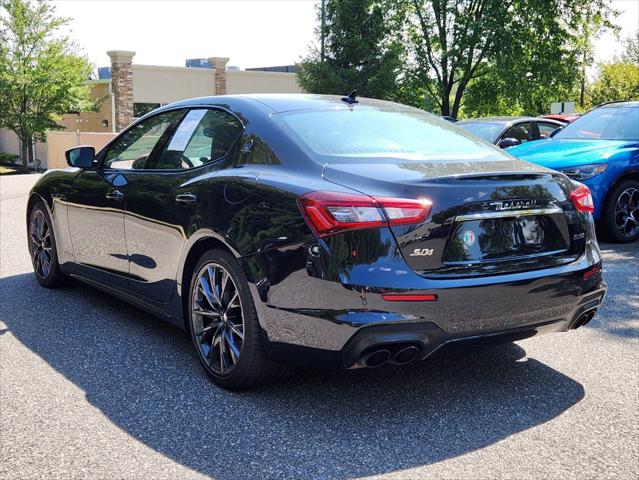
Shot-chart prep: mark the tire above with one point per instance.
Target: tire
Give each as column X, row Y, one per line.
column 226, row 332
column 42, row 248
column 620, row 216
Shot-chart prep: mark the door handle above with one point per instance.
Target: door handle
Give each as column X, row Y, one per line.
column 186, row 199
column 116, row 195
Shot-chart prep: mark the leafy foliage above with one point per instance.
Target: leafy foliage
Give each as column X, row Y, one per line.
column 631, row 49
column 518, row 54
column 468, row 57
column 41, row 74
column 616, row 81
column 361, row 51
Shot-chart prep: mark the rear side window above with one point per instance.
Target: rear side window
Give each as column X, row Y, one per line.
column 545, row 129
column 521, row 132
column 203, row 136
column 365, row 133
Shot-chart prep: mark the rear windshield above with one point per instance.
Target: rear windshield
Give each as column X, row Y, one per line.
column 618, row 123
column 485, row 130
column 365, row 133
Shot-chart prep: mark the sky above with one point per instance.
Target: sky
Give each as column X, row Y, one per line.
column 252, row 33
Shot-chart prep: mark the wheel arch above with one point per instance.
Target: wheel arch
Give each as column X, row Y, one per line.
column 627, row 175
column 34, row 197
column 197, row 245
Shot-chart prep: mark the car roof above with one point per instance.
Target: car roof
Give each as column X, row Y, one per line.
column 277, row 103
column 504, row 120
column 619, row 104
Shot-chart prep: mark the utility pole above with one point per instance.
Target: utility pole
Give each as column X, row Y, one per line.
column 322, row 28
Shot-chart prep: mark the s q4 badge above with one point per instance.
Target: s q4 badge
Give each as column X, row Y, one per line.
column 468, row 238
column 422, row 252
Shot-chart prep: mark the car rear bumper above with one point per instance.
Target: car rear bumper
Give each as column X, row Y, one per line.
column 314, row 321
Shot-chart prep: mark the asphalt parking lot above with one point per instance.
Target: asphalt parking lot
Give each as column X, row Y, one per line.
column 93, row 388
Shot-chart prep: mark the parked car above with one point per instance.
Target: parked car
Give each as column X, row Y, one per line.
column 507, row 132
column 562, row 117
column 320, row 231
column 601, row 150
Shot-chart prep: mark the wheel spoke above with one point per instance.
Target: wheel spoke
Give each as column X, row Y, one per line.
column 222, row 344
column 233, row 350
column 205, row 288
column 44, row 262
column 225, row 279
column 232, row 301
column 212, row 328
column 212, row 273
column 236, row 330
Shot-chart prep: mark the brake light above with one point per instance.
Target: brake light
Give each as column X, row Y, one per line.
column 332, row 212
column 582, row 199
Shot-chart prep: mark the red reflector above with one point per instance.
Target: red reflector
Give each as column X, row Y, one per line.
column 404, row 297
column 582, row 199
column 592, row 272
column 332, row 212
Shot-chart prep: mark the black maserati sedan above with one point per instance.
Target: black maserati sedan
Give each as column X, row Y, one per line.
column 318, row 231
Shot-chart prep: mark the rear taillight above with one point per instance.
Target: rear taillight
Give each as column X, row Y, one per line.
column 582, row 199
column 332, row 212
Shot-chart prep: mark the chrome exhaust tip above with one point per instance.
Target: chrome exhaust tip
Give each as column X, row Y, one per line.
column 405, row 355
column 375, row 358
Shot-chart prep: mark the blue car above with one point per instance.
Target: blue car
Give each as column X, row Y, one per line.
column 601, row 150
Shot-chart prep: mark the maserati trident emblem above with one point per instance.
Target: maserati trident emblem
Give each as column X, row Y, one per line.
column 513, row 204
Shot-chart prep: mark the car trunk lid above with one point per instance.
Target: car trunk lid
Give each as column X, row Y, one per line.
column 488, row 217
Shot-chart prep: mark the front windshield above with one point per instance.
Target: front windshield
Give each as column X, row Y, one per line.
column 485, row 130
column 612, row 123
column 364, row 132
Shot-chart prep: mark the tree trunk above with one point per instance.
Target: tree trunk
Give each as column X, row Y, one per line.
column 30, row 149
column 445, row 103
column 24, row 152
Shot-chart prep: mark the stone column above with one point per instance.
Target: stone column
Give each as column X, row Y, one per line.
column 219, row 64
column 122, row 86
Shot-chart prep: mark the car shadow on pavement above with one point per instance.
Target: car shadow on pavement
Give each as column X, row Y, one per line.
column 143, row 375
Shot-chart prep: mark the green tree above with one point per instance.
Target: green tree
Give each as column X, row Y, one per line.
column 631, row 49
column 361, row 51
column 524, row 48
column 615, row 81
column 41, row 73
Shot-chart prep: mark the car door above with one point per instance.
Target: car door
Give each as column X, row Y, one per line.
column 97, row 201
column 162, row 202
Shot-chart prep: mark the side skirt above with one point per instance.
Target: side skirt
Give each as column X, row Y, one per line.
column 170, row 312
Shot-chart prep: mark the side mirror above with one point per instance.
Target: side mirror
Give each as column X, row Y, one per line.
column 556, row 131
column 508, row 142
column 80, row 157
